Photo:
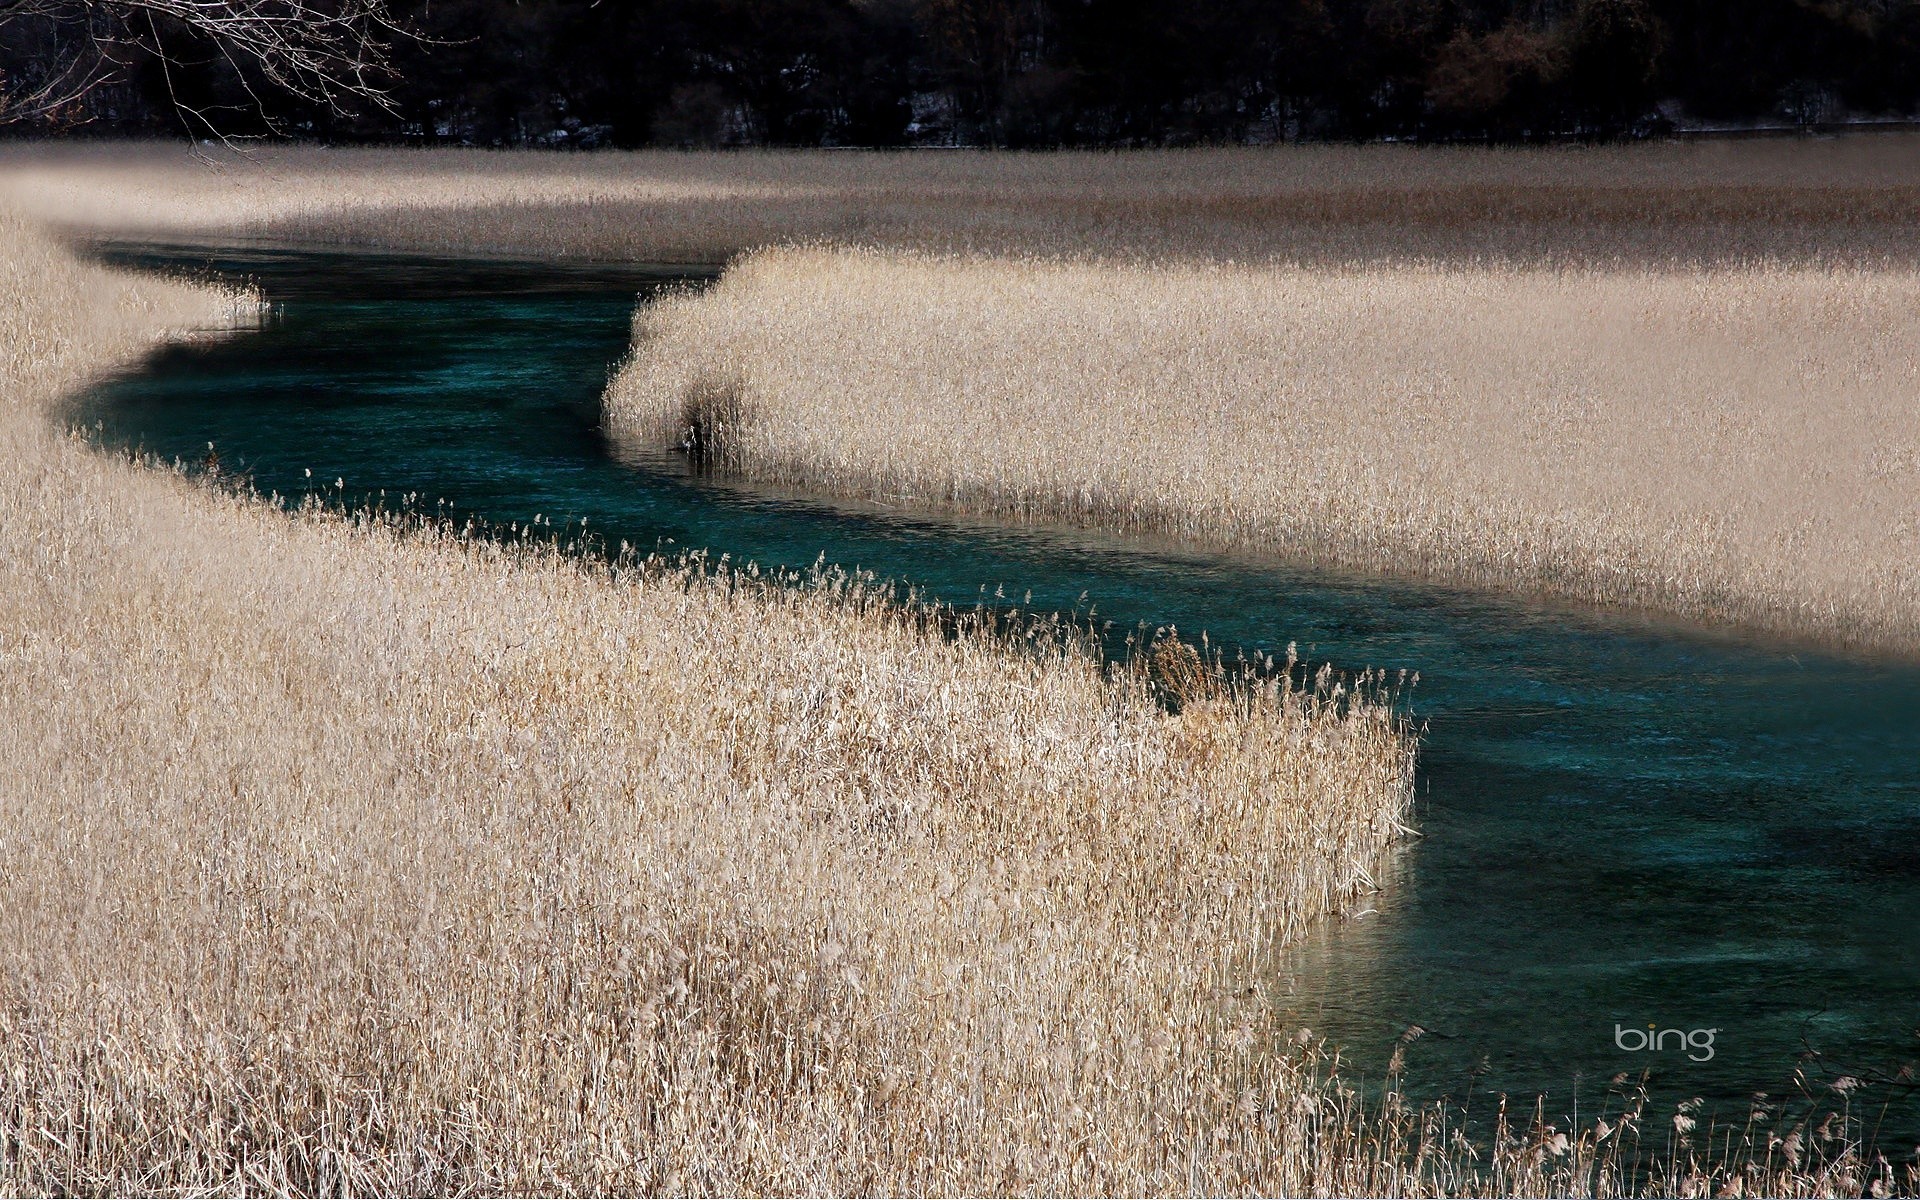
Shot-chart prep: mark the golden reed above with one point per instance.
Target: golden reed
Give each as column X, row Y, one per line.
column 351, row 856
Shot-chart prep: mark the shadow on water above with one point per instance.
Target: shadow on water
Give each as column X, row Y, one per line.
column 1624, row 824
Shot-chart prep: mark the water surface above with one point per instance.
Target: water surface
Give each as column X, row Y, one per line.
column 1623, row 823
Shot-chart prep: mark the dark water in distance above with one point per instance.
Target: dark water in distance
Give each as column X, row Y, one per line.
column 1624, row 823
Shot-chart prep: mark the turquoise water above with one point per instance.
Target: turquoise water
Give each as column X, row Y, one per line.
column 1623, row 822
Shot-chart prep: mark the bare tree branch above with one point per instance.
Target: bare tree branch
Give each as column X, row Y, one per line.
column 330, row 53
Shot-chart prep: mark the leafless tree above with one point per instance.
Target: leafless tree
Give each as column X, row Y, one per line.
column 330, row 53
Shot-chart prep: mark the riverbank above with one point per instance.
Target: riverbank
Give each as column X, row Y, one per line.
column 346, row 857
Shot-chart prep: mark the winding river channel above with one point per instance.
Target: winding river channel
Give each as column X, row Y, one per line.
column 1624, row 823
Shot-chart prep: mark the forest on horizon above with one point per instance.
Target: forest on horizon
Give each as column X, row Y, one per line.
column 1032, row 73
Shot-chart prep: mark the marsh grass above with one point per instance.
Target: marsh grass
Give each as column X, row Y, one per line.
column 1725, row 444
column 1670, row 377
column 347, row 853
column 352, row 853
column 1851, row 201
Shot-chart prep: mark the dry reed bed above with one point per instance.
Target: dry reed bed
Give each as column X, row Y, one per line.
column 341, row 857
column 1667, row 376
column 1737, row 445
column 357, row 858
column 1855, row 200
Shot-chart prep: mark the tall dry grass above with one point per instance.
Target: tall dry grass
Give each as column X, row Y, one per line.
column 1672, row 377
column 349, row 857
column 346, row 857
column 1854, row 200
column 1732, row 444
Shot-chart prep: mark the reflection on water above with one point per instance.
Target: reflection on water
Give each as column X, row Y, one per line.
column 1623, row 824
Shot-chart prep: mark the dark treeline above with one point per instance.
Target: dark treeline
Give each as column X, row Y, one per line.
column 1048, row 72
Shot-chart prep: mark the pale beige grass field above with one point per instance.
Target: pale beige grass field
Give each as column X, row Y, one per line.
column 1676, row 377
column 1856, row 200
column 1739, row 445
column 348, row 858
column 344, row 858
